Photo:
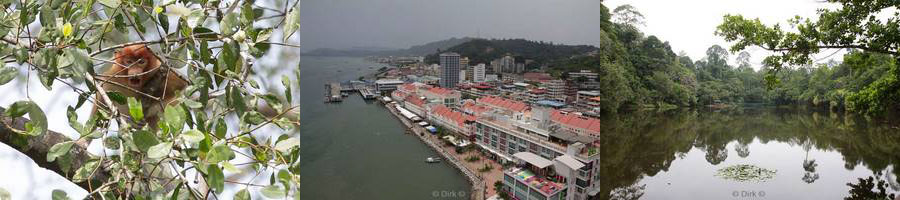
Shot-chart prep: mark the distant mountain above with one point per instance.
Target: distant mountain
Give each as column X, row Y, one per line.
column 484, row 50
column 418, row 50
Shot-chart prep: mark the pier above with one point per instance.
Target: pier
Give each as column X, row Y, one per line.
column 333, row 92
column 478, row 185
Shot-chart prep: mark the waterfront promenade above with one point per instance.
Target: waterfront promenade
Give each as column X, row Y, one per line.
column 482, row 182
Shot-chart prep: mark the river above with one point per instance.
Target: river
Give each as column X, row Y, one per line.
column 356, row 150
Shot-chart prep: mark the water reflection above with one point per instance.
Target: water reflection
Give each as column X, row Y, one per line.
column 641, row 145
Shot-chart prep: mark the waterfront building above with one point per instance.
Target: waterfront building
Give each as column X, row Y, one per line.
column 383, row 85
column 478, row 73
column 415, row 104
column 444, row 96
column 450, row 69
column 531, row 143
column 455, row 121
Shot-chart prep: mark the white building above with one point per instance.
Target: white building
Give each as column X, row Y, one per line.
column 387, row 84
column 478, row 72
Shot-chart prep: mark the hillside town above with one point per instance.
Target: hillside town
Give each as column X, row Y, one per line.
column 539, row 128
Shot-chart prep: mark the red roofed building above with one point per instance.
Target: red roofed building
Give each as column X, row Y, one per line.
column 471, row 108
column 578, row 124
column 454, row 120
column 415, row 104
column 502, row 103
column 447, row 97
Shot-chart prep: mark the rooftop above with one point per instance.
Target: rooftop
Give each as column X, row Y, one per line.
column 547, row 187
column 504, row 103
column 578, row 121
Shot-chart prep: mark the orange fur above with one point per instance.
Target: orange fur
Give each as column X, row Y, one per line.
column 138, row 68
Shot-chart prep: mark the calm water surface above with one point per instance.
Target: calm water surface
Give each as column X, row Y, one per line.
column 356, row 150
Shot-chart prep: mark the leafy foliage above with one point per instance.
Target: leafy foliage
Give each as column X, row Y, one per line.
column 484, row 51
column 212, row 43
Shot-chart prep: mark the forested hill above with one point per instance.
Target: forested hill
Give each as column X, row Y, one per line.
column 642, row 71
column 418, row 50
column 485, row 50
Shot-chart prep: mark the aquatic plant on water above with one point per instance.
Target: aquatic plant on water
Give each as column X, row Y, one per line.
column 746, row 173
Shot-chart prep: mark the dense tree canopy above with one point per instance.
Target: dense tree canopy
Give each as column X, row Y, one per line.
column 870, row 26
column 213, row 134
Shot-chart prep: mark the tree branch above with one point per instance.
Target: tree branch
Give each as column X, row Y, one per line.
column 37, row 148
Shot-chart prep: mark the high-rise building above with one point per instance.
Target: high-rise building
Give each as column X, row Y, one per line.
column 495, row 68
column 478, row 73
column 508, row 63
column 450, row 69
column 464, row 65
column 520, row 68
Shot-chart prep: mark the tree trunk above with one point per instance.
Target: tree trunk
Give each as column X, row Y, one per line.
column 37, row 148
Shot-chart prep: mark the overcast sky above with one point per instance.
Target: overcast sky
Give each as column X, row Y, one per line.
column 687, row 24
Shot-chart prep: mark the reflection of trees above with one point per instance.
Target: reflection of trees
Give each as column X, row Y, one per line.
column 716, row 154
column 809, row 166
column 643, row 144
column 864, row 189
column 743, row 150
column 632, row 192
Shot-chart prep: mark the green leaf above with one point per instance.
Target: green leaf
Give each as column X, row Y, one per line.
column 37, row 124
column 110, row 3
column 73, row 122
column 204, row 33
column 286, row 145
column 193, row 104
column 144, row 140
column 243, row 194
column 84, row 173
column 287, row 87
column 274, row 192
column 219, row 153
column 229, row 24
column 272, row 101
column 7, row 74
column 284, row 176
column 193, row 136
column 59, row 149
column 221, row 128
column 135, row 109
column 160, row 150
column 292, row 23
column 230, row 167
column 174, row 116
column 215, row 178
column 59, row 195
column 116, row 97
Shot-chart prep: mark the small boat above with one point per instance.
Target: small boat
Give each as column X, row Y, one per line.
column 433, row 160
column 344, row 94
